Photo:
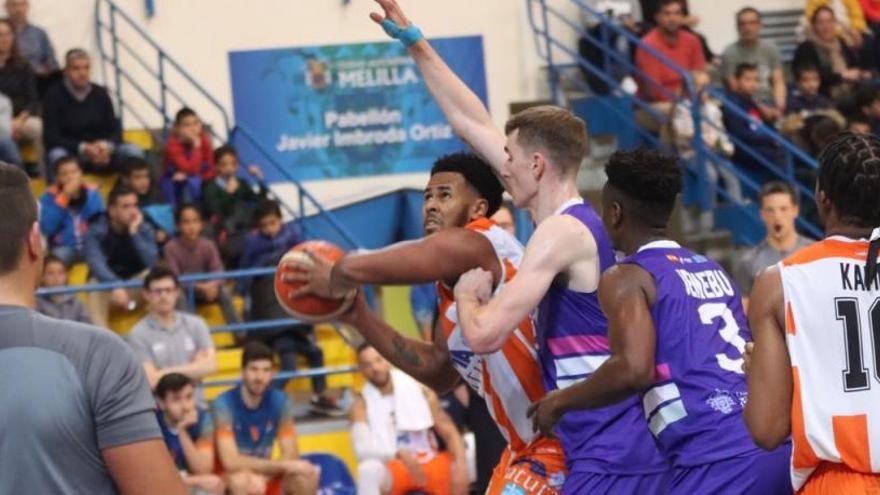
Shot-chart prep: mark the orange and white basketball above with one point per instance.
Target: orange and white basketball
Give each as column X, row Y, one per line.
column 309, row 308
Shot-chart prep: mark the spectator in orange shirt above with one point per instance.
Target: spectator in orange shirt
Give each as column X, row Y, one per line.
column 189, row 159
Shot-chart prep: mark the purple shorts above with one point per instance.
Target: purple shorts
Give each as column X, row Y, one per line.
column 764, row 473
column 595, row 483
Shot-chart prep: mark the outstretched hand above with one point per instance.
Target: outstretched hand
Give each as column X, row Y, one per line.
column 392, row 12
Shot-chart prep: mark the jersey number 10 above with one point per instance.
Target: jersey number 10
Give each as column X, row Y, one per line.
column 855, row 376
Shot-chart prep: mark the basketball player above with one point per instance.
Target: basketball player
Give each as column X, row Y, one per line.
column 460, row 196
column 608, row 451
column 815, row 317
column 677, row 331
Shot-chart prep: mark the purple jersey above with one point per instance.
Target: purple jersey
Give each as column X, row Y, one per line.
column 573, row 343
column 695, row 408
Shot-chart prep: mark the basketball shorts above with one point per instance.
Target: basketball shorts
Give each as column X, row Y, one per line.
column 539, row 469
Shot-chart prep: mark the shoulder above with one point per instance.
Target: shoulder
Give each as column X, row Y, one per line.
column 224, row 402
column 563, row 229
column 624, row 279
column 828, row 248
column 192, row 321
column 730, row 51
column 690, row 38
column 277, row 399
column 83, row 345
column 769, row 48
column 141, row 328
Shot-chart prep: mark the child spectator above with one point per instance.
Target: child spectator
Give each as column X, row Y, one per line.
column 265, row 248
column 229, row 203
column 188, row 159
column 714, row 137
column 746, row 131
column 61, row 306
column 66, row 208
column 806, row 96
column 189, row 252
column 137, row 176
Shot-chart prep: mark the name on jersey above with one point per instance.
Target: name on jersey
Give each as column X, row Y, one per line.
column 852, row 277
column 708, row 284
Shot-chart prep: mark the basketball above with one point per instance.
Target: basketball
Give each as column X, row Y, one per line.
column 309, row 308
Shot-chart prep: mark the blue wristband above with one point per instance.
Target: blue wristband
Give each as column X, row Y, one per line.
column 409, row 36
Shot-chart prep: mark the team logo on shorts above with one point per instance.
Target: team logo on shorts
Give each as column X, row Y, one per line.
column 513, row 489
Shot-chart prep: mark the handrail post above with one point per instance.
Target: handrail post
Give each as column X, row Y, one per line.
column 115, row 36
column 163, row 98
column 705, row 190
column 553, row 77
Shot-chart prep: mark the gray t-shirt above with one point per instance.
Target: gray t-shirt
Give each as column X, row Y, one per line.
column 765, row 55
column 67, row 391
column 758, row 258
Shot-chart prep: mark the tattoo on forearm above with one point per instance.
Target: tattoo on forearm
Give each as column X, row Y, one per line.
column 404, row 354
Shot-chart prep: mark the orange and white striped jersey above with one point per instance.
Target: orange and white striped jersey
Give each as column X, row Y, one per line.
column 832, row 325
column 510, row 378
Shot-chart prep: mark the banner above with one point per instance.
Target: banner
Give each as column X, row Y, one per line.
column 346, row 110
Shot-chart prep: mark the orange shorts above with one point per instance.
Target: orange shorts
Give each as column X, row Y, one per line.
column 437, row 472
column 834, row 479
column 537, row 470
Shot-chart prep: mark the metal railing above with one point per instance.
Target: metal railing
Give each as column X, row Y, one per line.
column 134, row 77
column 560, row 56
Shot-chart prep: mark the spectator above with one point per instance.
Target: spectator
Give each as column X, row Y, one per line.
column 750, row 141
column 265, row 248
column 714, row 138
column 118, row 246
column 76, row 411
column 189, row 434
column 393, row 426
column 504, row 218
column 868, row 99
column 779, row 210
column 66, row 208
column 188, row 159
column 79, row 120
column 627, row 13
column 751, row 49
column 806, row 107
column 18, row 83
column 838, row 64
column 229, row 203
column 689, row 23
column 169, row 341
column 60, row 306
column 660, row 84
column 249, row 419
column 852, row 26
column 189, row 252
column 137, row 176
column 858, row 124
column 33, row 42
column 9, row 152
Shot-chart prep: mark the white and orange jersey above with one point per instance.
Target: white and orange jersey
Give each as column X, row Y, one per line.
column 510, row 378
column 832, row 324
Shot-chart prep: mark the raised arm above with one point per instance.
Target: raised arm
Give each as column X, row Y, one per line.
column 768, row 410
column 558, row 243
column 463, row 109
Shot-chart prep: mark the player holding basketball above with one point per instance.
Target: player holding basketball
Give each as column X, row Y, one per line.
column 460, row 196
column 677, row 331
column 608, row 451
column 815, row 317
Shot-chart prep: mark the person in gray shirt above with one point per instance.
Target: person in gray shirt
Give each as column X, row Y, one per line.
column 62, row 306
column 779, row 210
column 169, row 341
column 76, row 415
column 32, row 41
column 749, row 48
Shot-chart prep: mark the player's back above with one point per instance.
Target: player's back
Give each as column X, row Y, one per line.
column 832, row 329
column 695, row 407
column 573, row 343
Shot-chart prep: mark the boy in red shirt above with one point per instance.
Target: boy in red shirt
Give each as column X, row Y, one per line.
column 188, row 159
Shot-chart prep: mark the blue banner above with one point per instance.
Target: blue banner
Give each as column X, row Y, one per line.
column 346, row 110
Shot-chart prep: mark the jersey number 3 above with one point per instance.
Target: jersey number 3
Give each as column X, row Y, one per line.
column 729, row 332
column 855, row 376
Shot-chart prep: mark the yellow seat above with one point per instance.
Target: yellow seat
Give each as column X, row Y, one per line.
column 142, row 138
column 38, row 187
column 122, row 322
column 28, row 153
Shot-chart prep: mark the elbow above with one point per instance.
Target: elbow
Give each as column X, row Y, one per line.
column 483, row 339
column 767, row 433
column 639, row 374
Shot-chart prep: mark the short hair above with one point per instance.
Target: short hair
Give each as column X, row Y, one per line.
column 363, row 346
column 555, row 131
column 76, row 54
column 134, row 164
column 66, row 159
column 650, row 179
column 184, row 113
column 849, row 175
column 664, row 3
column 857, row 118
column 267, row 208
column 172, row 382
column 226, row 149
column 819, row 10
column 747, row 10
column 19, row 217
column 51, row 258
column 178, row 213
column 777, row 187
column 867, row 94
column 744, row 67
column 802, row 69
column 118, row 192
column 256, row 351
column 159, row 272
column 476, row 173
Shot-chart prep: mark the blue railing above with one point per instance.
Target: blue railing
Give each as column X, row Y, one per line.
column 551, row 49
column 110, row 23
